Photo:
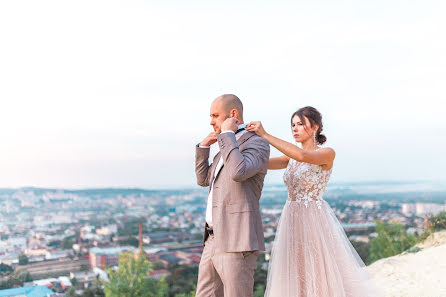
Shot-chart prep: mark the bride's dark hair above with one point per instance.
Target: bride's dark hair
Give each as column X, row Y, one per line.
column 315, row 118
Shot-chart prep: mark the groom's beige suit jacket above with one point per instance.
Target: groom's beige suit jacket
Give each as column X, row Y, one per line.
column 236, row 219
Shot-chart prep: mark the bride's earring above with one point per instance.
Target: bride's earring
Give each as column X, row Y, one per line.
column 314, row 139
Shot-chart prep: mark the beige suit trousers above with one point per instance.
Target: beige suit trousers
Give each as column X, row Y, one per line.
column 225, row 274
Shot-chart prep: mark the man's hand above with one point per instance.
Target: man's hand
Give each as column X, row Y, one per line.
column 230, row 124
column 209, row 140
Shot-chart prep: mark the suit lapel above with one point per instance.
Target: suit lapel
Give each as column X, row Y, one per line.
column 241, row 140
column 214, row 166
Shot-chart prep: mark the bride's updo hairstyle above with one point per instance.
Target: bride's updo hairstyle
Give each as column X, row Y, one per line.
column 315, row 118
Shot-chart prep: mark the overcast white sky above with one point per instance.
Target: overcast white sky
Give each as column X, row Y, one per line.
column 108, row 93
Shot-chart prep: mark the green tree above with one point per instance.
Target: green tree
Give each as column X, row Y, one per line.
column 260, row 274
column 131, row 240
column 5, row 269
column 363, row 250
column 67, row 243
column 190, row 294
column 158, row 265
column 182, row 279
column 23, row 275
column 23, row 259
column 71, row 292
column 438, row 222
column 73, row 281
column 259, row 291
column 55, row 243
column 16, row 279
column 10, row 282
column 95, row 291
column 392, row 239
column 131, row 279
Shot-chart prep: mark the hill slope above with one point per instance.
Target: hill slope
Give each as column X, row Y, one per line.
column 414, row 274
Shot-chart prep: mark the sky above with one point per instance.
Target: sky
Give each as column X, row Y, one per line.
column 117, row 93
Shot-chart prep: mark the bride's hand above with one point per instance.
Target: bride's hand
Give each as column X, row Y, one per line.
column 256, row 127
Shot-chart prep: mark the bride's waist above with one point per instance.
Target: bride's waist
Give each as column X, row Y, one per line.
column 304, row 199
column 316, row 202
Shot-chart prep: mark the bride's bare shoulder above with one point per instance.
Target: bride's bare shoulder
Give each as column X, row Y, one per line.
column 328, row 150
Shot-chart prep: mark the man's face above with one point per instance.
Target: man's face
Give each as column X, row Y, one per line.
column 218, row 115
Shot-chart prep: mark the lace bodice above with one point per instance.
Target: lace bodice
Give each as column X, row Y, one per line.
column 306, row 182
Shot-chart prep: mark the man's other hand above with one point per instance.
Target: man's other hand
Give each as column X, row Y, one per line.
column 209, row 140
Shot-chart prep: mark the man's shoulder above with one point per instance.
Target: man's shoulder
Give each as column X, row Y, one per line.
column 255, row 139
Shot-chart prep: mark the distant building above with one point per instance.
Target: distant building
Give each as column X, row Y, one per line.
column 57, row 254
column 37, row 250
column 61, row 219
column 65, row 282
column 13, row 245
column 421, row 209
column 37, row 291
column 54, row 267
column 408, row 209
column 85, row 278
column 102, row 257
column 364, row 203
column 428, row 208
column 101, row 274
column 359, row 226
column 107, row 230
column 360, row 238
column 271, row 211
column 171, row 258
column 60, row 284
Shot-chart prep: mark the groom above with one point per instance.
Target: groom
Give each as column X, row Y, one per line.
column 233, row 235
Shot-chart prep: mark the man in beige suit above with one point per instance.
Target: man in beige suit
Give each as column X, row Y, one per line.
column 233, row 235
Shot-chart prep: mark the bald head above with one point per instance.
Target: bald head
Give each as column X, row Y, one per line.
column 228, row 103
column 223, row 107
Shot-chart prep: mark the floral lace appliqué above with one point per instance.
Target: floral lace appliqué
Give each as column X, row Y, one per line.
column 306, row 182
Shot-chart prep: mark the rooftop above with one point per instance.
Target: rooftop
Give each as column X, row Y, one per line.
column 37, row 291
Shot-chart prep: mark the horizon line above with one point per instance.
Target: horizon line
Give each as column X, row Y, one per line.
column 192, row 187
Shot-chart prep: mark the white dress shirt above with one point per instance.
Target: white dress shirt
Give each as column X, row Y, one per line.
column 217, row 169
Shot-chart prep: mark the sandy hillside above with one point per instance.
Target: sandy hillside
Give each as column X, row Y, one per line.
column 414, row 274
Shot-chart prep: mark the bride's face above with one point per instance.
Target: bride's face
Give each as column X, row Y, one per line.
column 302, row 131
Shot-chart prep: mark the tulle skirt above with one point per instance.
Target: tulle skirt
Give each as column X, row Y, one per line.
column 312, row 256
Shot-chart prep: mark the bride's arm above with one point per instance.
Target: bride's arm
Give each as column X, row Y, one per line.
column 324, row 156
column 278, row 162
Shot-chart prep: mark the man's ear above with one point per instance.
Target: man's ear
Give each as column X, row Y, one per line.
column 234, row 113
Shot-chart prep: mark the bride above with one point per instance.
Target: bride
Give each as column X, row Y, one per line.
column 311, row 255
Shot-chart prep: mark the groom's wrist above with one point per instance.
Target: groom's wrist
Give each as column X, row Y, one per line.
column 202, row 146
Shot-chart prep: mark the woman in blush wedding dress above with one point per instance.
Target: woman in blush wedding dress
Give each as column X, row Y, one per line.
column 311, row 254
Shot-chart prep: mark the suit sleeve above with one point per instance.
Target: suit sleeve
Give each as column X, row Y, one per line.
column 202, row 166
column 245, row 164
